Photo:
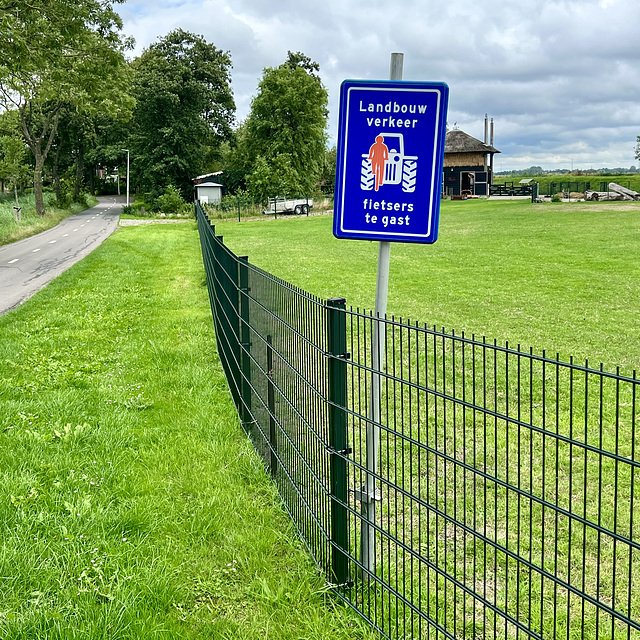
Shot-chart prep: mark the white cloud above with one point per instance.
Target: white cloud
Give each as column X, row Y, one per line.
column 560, row 78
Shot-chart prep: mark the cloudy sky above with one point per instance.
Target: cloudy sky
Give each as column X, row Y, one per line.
column 560, row 78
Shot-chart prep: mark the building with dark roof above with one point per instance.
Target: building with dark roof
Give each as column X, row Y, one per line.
column 468, row 164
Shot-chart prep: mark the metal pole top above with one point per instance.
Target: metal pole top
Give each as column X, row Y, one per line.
column 397, row 63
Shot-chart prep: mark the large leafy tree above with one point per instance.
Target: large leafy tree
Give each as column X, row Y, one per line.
column 184, row 110
column 57, row 52
column 287, row 124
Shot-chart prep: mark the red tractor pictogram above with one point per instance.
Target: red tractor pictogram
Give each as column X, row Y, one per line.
column 398, row 168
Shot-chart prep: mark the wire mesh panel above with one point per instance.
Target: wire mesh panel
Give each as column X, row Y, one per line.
column 492, row 492
column 289, row 411
column 273, row 342
column 508, row 483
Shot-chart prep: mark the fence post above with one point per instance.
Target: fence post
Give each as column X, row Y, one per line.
column 273, row 440
column 337, row 348
column 229, row 305
column 245, row 338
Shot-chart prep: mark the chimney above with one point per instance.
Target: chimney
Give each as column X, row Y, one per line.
column 491, row 156
column 486, row 137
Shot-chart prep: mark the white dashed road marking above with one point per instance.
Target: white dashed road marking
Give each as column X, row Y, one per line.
column 52, row 241
column 14, row 260
column 35, row 250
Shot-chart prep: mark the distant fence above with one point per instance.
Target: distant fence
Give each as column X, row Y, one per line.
column 546, row 188
column 531, row 190
column 580, row 186
column 242, row 207
column 493, row 492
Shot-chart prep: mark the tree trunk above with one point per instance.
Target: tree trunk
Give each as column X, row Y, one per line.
column 55, row 175
column 37, row 185
column 49, row 128
column 79, row 172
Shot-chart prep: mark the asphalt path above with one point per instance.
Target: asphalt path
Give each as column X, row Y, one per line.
column 30, row 264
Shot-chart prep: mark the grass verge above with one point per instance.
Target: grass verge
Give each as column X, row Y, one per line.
column 134, row 505
column 31, row 223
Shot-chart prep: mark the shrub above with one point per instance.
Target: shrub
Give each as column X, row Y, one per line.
column 171, row 201
column 82, row 199
column 65, row 198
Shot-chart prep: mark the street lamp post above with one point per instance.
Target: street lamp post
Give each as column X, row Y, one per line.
column 127, row 150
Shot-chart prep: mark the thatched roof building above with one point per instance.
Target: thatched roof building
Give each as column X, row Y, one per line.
column 463, row 150
column 468, row 164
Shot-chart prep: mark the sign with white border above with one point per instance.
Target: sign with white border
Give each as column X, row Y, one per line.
column 389, row 164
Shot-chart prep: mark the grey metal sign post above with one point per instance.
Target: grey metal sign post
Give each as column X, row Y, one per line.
column 371, row 494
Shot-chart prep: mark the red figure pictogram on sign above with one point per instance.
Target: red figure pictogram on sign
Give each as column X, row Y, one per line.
column 378, row 154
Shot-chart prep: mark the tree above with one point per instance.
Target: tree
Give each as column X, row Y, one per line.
column 272, row 178
column 328, row 176
column 112, row 136
column 13, row 153
column 184, row 110
column 236, row 160
column 56, row 52
column 288, row 118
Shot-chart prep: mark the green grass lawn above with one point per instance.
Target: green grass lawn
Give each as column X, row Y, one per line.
column 561, row 277
column 131, row 491
column 133, row 504
column 31, row 223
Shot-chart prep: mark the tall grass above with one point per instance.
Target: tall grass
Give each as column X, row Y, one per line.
column 31, row 223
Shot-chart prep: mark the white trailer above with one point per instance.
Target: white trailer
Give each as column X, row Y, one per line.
column 289, row 205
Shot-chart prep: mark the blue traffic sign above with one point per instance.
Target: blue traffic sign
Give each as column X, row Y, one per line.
column 390, row 153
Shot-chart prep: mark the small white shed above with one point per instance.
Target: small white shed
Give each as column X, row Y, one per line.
column 209, row 192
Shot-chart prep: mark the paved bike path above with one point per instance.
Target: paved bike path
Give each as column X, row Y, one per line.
column 29, row 265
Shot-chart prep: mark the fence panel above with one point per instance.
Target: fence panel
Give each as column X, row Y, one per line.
column 506, row 482
column 275, row 347
column 243, row 207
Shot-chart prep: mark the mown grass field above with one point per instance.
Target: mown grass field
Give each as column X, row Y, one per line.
column 133, row 504
column 11, row 230
column 562, row 277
